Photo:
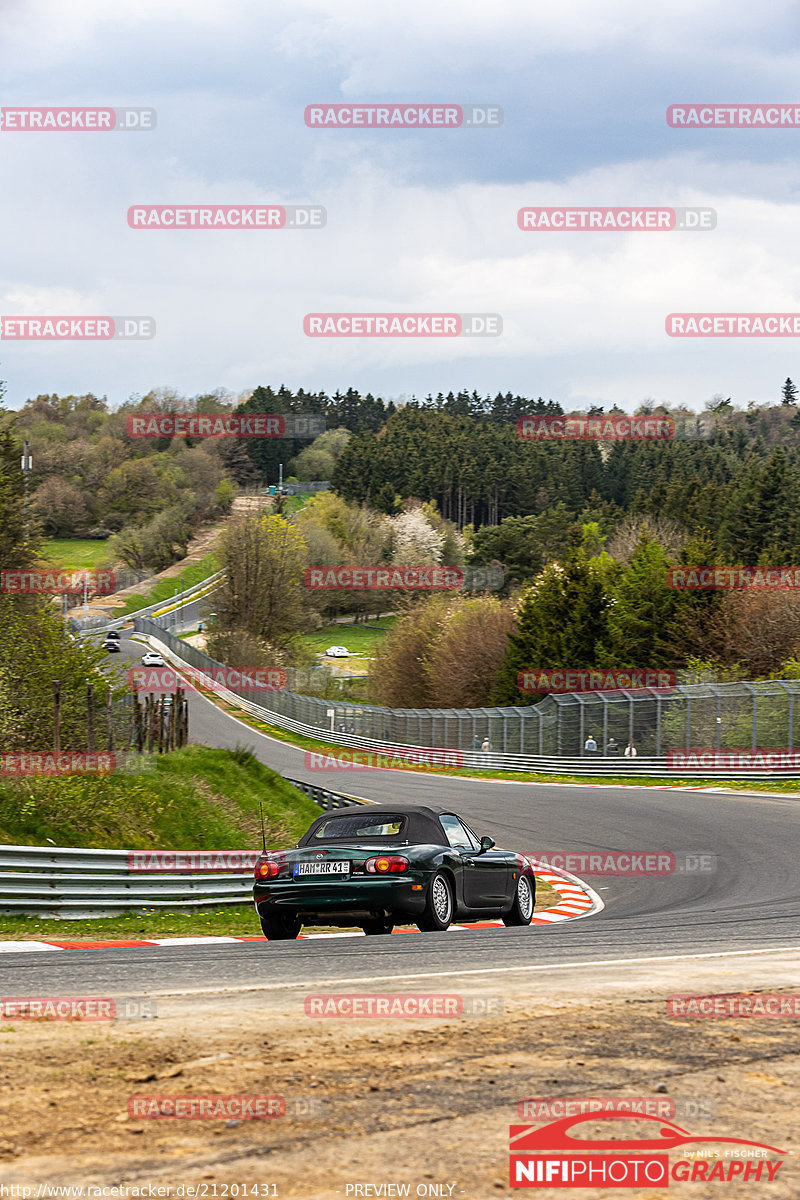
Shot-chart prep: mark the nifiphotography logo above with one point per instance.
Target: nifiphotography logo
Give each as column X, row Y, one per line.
column 553, row 1156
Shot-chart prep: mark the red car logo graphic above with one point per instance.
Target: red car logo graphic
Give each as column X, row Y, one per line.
column 555, row 1136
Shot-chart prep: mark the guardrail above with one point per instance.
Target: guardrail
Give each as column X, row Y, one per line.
column 322, row 796
column 75, row 883
column 193, row 593
column 640, row 767
column 99, row 883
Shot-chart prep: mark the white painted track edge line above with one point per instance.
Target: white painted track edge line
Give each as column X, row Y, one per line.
column 504, row 970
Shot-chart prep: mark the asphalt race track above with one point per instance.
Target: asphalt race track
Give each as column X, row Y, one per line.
column 750, row 902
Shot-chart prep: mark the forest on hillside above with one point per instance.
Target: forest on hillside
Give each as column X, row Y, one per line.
column 581, row 533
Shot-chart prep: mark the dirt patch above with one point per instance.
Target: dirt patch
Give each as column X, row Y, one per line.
column 381, row 1101
column 203, row 543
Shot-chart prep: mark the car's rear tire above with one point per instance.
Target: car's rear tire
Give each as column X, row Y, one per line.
column 378, row 926
column 438, row 913
column 281, row 927
column 521, row 910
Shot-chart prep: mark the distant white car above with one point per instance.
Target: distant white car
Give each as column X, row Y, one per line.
column 151, row 659
column 337, row 652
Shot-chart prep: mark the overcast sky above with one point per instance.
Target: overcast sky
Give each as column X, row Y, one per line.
column 417, row 220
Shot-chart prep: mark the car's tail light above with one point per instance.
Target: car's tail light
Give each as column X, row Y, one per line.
column 269, row 865
column 387, row 864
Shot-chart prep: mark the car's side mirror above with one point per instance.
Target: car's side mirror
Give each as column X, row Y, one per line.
column 486, row 844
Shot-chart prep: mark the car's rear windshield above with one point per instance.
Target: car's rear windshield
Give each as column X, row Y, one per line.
column 383, row 825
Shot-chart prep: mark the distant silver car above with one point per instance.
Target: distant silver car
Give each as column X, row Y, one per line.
column 151, row 659
column 337, row 652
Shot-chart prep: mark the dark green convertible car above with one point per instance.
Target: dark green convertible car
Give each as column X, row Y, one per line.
column 378, row 867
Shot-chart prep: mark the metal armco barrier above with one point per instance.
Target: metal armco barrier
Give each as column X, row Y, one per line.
column 99, row 883
column 322, row 796
column 70, row 882
column 185, row 597
column 443, row 753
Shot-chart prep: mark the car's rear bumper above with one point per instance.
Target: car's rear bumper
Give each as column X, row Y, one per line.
column 382, row 894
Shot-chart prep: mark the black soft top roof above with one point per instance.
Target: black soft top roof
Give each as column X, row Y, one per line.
column 423, row 824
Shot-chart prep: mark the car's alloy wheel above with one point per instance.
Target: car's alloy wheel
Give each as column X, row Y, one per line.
column 524, row 900
column 281, row 927
column 439, row 905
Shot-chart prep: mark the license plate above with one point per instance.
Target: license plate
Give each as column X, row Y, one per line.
column 322, row 868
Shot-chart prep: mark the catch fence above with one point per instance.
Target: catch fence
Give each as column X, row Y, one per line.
column 658, row 722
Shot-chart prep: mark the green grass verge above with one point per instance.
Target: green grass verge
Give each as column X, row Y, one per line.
column 230, row 921
column 195, row 798
column 165, row 589
column 73, row 554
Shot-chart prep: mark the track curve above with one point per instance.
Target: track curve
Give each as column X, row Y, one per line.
column 751, row 901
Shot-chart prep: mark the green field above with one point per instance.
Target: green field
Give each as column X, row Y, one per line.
column 361, row 640
column 165, row 589
column 76, row 553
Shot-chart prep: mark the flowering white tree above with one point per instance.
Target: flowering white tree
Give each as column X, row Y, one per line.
column 415, row 542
